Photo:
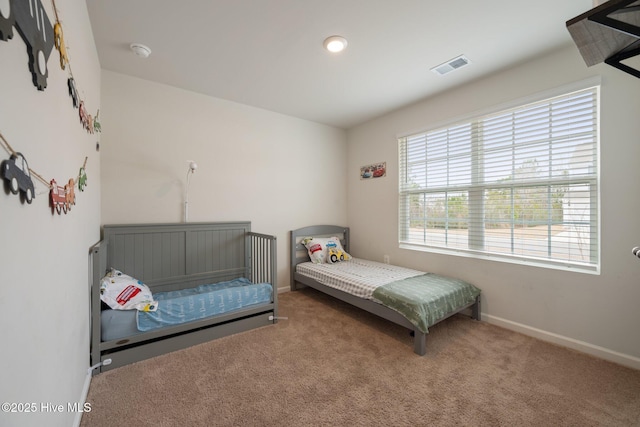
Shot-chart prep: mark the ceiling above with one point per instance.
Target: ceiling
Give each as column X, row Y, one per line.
column 269, row 53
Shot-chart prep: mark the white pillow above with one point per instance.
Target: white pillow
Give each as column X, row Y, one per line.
column 122, row 292
column 318, row 248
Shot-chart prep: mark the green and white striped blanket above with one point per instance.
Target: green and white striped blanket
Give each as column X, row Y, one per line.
column 426, row 299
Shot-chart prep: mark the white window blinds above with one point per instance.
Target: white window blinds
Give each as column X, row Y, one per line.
column 521, row 185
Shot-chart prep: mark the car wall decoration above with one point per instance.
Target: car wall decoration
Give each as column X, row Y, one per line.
column 376, row 170
column 19, row 178
column 15, row 170
column 33, row 24
column 58, row 39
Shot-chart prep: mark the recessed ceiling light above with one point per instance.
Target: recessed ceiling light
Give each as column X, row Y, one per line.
column 140, row 50
column 335, row 44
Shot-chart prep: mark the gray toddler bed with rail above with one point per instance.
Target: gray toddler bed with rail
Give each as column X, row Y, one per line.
column 410, row 298
column 223, row 265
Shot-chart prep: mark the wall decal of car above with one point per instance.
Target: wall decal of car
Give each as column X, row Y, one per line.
column 73, row 92
column 82, row 179
column 96, row 124
column 59, row 44
column 7, row 19
column 70, row 193
column 34, row 26
column 58, row 197
column 16, row 171
column 62, row 198
column 85, row 119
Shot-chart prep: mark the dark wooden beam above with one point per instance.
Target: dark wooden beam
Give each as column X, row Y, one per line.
column 606, row 30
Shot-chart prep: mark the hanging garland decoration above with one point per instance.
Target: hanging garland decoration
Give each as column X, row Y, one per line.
column 33, row 24
column 89, row 123
column 17, row 173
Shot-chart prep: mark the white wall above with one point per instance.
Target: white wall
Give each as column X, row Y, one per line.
column 44, row 310
column 594, row 313
column 276, row 171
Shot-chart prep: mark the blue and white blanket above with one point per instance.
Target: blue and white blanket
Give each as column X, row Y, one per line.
column 176, row 307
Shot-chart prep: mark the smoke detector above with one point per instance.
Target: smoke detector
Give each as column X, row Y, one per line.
column 140, row 50
column 451, row 65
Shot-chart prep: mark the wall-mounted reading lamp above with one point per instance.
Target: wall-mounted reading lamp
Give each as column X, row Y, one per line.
column 192, row 168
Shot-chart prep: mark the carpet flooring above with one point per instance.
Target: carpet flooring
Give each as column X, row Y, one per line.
column 331, row 364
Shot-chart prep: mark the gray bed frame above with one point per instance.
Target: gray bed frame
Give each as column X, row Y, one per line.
column 177, row 256
column 299, row 254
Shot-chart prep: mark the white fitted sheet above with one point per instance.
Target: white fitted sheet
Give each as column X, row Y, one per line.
column 357, row 277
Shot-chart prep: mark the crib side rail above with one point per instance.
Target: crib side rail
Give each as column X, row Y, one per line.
column 263, row 262
column 263, row 258
column 98, row 265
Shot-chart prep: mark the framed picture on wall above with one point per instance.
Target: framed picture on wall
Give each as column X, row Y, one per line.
column 376, row 170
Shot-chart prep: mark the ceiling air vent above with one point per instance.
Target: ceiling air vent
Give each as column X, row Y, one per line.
column 452, row 64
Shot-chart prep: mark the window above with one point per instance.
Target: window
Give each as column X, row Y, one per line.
column 519, row 185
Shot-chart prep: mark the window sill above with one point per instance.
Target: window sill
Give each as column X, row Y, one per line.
column 529, row 262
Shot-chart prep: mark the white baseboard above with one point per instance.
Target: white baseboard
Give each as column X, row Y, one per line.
column 584, row 347
column 285, row 289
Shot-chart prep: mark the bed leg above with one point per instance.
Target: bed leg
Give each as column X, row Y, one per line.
column 419, row 343
column 297, row 286
column 475, row 310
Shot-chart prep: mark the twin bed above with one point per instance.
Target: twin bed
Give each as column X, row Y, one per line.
column 210, row 280
column 410, row 298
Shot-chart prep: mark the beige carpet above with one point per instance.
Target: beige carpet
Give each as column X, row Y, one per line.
column 334, row 365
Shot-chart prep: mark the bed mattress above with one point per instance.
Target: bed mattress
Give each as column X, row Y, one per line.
column 358, row 276
column 116, row 324
column 186, row 305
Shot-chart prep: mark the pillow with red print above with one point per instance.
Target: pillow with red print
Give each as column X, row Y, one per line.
column 122, row 292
